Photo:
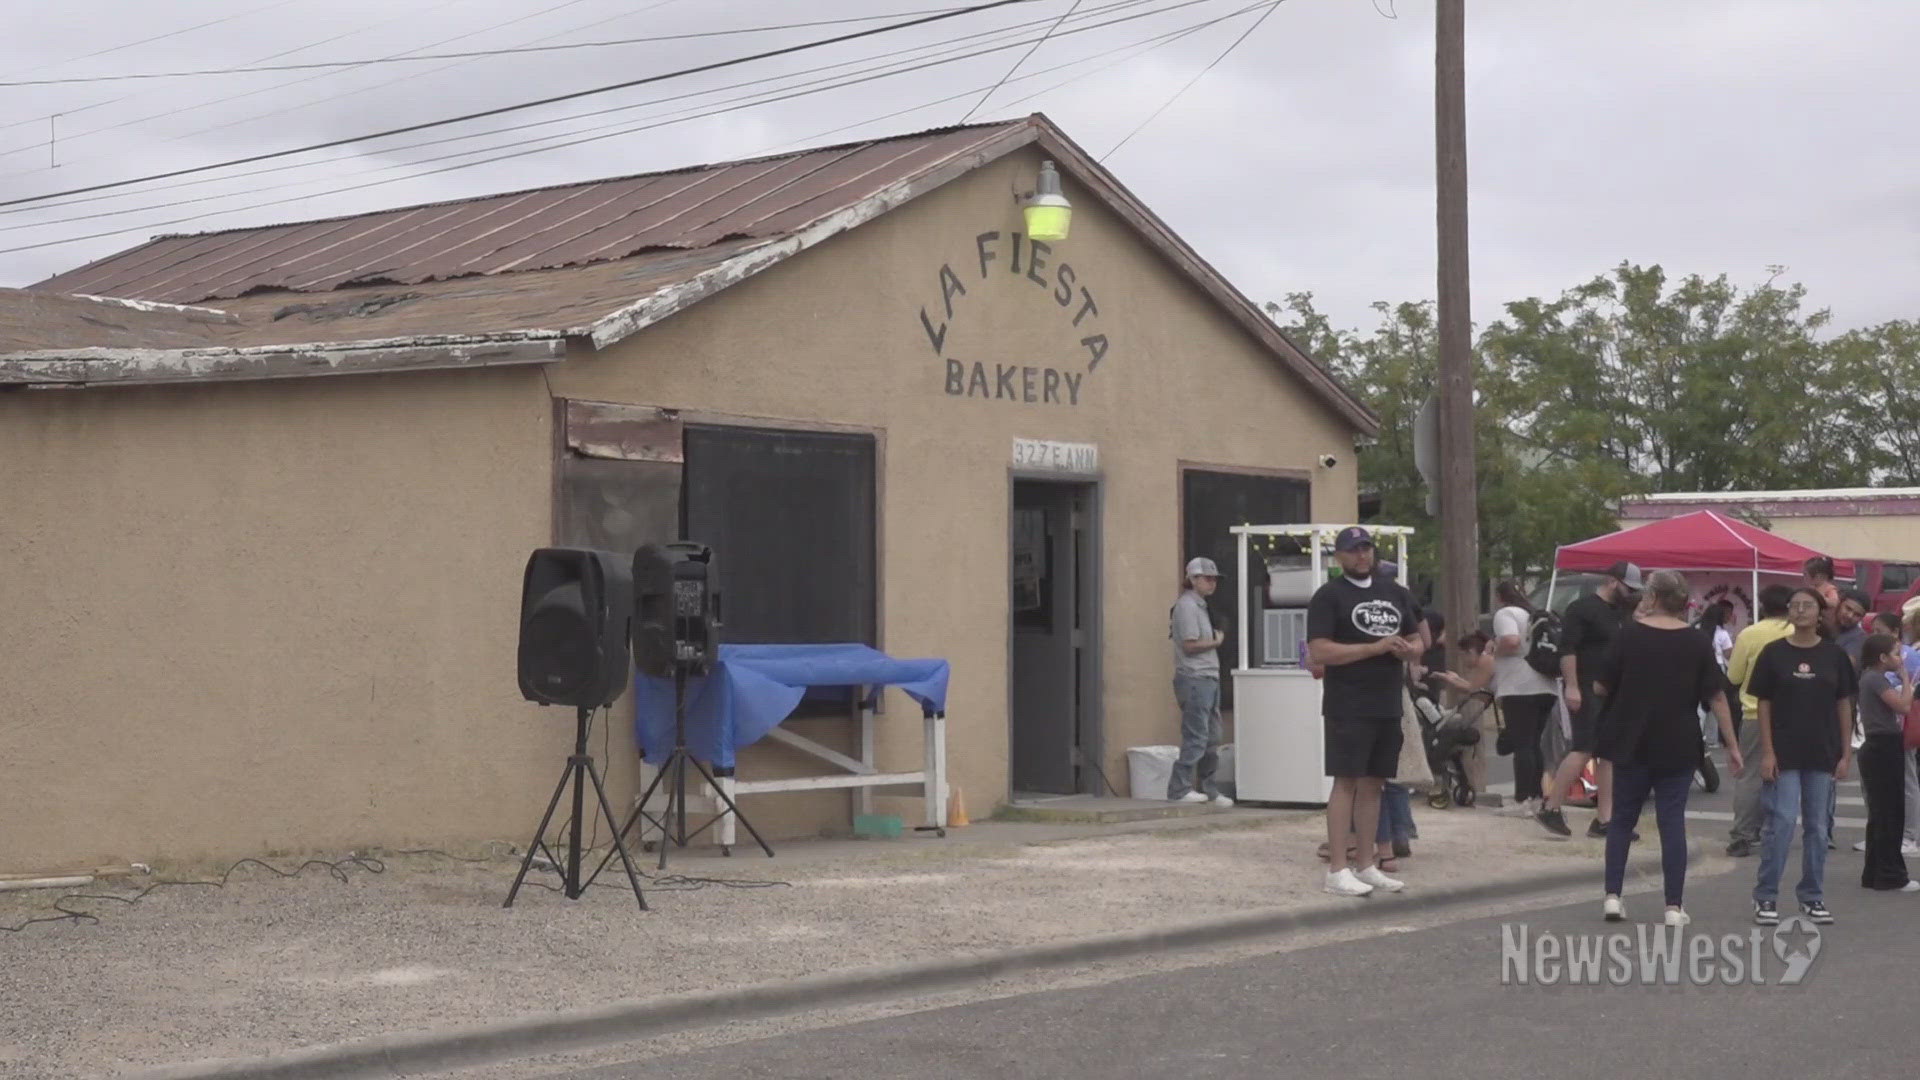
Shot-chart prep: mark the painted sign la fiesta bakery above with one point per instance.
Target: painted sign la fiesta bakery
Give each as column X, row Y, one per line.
column 1048, row 281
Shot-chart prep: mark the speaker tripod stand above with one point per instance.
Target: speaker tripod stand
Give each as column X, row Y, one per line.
column 672, row 777
column 578, row 771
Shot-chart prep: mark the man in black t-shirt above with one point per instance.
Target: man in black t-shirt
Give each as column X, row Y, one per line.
column 1804, row 685
column 1362, row 628
column 1586, row 633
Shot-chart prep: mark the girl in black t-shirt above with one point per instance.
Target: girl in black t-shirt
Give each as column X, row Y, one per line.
column 1805, row 686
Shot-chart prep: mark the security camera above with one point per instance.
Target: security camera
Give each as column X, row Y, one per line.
column 1328, row 461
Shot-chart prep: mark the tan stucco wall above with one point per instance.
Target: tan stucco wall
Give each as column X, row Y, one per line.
column 283, row 615
column 270, row 616
column 1892, row 537
column 835, row 335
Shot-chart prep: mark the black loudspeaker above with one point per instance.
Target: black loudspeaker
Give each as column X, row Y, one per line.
column 575, row 607
column 676, row 612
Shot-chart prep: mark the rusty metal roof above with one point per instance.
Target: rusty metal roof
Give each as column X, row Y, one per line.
column 543, row 228
column 507, row 278
column 37, row 320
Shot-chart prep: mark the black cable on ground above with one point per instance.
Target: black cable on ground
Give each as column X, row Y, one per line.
column 337, row 870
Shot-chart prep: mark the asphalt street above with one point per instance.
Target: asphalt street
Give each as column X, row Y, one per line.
column 1710, row 815
column 1431, row 1001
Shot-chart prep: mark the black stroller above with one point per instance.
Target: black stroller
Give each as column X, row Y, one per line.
column 1446, row 735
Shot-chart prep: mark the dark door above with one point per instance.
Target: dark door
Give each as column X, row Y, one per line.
column 1050, row 582
column 1214, row 503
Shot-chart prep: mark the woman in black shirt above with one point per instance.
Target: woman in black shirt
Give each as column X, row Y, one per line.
column 1658, row 674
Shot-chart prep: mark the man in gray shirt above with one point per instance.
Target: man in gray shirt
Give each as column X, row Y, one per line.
column 1196, row 687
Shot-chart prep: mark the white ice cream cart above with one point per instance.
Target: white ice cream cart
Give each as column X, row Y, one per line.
column 1279, row 750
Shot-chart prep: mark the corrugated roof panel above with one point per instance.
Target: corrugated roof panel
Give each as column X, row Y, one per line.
column 519, row 231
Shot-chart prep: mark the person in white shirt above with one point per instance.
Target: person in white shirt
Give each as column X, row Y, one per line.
column 1526, row 697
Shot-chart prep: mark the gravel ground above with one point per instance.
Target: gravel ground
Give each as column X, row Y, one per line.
column 269, row 964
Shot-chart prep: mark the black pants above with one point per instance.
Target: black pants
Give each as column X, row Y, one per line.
column 1883, row 773
column 1526, row 717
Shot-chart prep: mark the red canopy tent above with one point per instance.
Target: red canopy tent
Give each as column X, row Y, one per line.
column 1703, row 540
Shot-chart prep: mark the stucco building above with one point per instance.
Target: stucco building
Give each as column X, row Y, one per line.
column 1851, row 523
column 271, row 490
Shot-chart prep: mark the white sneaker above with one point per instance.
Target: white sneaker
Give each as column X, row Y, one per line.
column 1192, row 797
column 1372, row 876
column 1907, row 850
column 1222, row 802
column 1344, row 882
column 1677, row 917
column 1859, row 845
column 1910, row 886
column 1612, row 910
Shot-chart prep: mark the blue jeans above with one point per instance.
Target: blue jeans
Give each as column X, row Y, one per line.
column 1200, row 735
column 1396, row 814
column 1631, row 786
column 1807, row 793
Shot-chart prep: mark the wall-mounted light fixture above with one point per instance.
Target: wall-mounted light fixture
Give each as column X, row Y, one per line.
column 1049, row 215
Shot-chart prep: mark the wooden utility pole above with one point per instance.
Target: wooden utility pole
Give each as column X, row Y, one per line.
column 1459, row 507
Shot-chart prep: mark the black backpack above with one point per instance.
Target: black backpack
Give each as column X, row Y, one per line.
column 1543, row 642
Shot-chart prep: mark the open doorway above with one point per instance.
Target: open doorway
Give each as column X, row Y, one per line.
column 1055, row 702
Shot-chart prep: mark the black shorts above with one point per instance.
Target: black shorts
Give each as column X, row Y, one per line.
column 1585, row 722
column 1362, row 746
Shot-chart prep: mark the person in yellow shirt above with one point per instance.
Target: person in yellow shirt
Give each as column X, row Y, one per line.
column 1771, row 626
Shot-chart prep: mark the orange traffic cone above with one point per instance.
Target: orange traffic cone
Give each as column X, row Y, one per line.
column 957, row 810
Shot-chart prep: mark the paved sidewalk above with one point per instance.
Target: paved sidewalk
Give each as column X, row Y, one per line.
column 268, row 965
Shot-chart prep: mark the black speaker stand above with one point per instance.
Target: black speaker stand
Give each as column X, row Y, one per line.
column 578, row 771
column 672, row 775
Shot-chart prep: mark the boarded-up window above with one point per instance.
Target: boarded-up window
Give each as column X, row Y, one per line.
column 619, row 478
column 1215, row 502
column 790, row 518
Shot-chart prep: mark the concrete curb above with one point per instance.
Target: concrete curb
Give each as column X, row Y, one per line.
column 587, row 1028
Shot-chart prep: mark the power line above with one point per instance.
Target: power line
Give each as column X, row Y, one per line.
column 165, row 36
column 228, row 98
column 514, row 51
column 74, row 111
column 482, row 114
column 1023, row 59
column 1177, row 94
column 899, row 57
column 1151, row 44
column 596, row 138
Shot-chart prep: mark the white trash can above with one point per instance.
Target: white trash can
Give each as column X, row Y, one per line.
column 1149, row 768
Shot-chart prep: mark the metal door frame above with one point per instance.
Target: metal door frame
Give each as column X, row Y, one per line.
column 1090, row 718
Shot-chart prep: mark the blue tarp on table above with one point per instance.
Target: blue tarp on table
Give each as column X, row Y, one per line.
column 754, row 688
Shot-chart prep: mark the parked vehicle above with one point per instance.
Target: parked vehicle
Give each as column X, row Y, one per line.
column 1887, row 584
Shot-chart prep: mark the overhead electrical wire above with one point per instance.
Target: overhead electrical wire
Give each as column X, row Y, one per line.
column 1244, row 35
column 1024, row 57
column 1150, row 44
column 513, row 51
column 708, row 111
column 504, row 109
column 162, row 37
column 406, row 13
column 230, row 98
column 900, row 57
column 1004, row 29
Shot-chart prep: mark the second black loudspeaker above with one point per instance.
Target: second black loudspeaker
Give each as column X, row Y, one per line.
column 575, row 607
column 676, row 614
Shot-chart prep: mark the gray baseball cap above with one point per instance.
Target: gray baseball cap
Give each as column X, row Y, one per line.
column 1202, row 566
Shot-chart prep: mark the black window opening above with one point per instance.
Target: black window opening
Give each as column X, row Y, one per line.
column 790, row 516
column 1215, row 502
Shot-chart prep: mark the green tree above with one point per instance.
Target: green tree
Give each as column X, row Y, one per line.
column 1694, row 386
column 1529, row 501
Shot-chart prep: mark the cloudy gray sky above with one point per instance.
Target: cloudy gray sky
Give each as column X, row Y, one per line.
column 1707, row 135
